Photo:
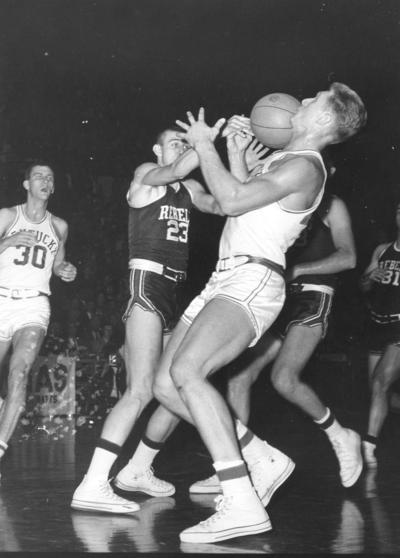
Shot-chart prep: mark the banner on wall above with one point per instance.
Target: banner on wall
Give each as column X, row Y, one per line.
column 51, row 386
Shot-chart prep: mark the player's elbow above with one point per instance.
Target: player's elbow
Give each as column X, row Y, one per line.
column 230, row 206
column 351, row 260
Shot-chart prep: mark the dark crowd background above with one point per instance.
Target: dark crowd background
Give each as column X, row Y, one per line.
column 86, row 85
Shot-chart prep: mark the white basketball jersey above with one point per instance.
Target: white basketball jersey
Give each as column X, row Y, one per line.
column 23, row 267
column 268, row 231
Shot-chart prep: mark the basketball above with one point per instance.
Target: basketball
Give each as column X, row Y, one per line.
column 270, row 119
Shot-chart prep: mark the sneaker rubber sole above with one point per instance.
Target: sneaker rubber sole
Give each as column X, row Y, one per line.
column 87, row 505
column 193, row 536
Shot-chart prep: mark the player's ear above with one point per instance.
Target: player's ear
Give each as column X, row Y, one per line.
column 157, row 149
column 325, row 119
column 25, row 184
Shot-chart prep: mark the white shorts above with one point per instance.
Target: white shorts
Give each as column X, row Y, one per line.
column 16, row 314
column 254, row 287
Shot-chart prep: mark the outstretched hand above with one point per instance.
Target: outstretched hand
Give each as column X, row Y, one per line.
column 198, row 131
column 255, row 154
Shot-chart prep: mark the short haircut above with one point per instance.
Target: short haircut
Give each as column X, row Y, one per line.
column 160, row 135
column 38, row 163
column 349, row 109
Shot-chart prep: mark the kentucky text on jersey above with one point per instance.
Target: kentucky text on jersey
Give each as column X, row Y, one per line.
column 42, row 238
column 170, row 212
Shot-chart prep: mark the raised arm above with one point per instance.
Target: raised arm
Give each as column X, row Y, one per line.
column 344, row 257
column 293, row 175
column 150, row 179
column 201, row 199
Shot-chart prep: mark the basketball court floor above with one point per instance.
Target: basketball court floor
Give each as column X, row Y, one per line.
column 311, row 513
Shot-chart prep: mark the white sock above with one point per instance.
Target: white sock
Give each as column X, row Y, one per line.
column 100, row 465
column 335, row 430
column 235, row 486
column 142, row 459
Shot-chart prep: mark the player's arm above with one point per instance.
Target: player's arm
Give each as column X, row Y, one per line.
column 344, row 257
column 150, row 179
column 63, row 269
column 373, row 272
column 238, row 137
column 202, row 200
column 296, row 175
column 22, row 238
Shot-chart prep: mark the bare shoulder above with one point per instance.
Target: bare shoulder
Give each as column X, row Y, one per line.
column 298, row 163
column 380, row 249
column 60, row 226
column 142, row 170
column 7, row 216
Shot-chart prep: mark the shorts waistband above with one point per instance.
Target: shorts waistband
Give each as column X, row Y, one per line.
column 385, row 318
column 241, row 259
column 149, row 265
column 17, row 294
column 301, row 287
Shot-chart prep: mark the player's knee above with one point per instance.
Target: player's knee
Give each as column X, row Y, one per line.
column 162, row 390
column 142, row 392
column 283, row 381
column 183, row 370
column 381, row 383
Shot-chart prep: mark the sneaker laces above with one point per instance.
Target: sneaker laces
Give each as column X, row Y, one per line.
column 222, row 505
column 107, row 491
column 342, row 452
column 155, row 480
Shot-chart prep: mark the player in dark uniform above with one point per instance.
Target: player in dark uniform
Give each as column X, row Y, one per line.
column 325, row 248
column 381, row 281
column 159, row 216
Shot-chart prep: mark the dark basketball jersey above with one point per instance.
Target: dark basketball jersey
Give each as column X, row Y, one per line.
column 314, row 243
column 384, row 297
column 159, row 231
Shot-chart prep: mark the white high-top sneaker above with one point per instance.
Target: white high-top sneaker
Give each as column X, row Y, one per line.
column 235, row 516
column 268, row 469
column 347, row 447
column 97, row 495
column 145, row 482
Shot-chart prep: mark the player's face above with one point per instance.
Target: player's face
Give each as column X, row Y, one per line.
column 41, row 182
column 172, row 147
column 311, row 109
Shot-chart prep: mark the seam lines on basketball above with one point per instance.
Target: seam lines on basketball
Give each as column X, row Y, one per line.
column 275, row 107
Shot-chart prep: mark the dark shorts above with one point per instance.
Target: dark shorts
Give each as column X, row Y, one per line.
column 379, row 336
column 154, row 293
column 306, row 308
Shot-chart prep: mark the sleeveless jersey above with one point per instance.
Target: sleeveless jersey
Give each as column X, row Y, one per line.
column 23, row 267
column 314, row 243
column 159, row 231
column 268, row 231
column 384, row 297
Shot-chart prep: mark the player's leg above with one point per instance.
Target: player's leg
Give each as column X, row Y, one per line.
column 4, row 348
column 386, row 372
column 143, row 345
column 299, row 344
column 138, row 475
column 246, row 370
column 26, row 345
column 208, row 345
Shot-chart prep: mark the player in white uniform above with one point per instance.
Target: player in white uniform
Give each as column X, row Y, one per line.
column 32, row 247
column 241, row 300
